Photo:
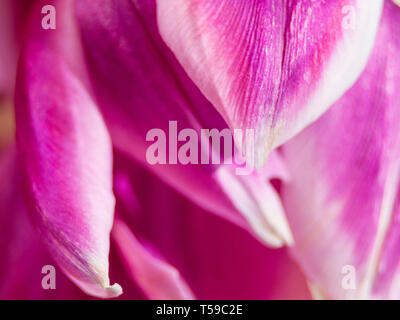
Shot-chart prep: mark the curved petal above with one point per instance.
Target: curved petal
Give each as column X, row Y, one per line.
column 258, row 201
column 20, row 243
column 273, row 66
column 66, row 153
column 343, row 199
column 218, row 260
column 158, row 279
column 140, row 87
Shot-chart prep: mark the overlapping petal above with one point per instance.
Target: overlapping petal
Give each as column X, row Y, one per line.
column 140, row 86
column 343, row 199
column 218, row 260
column 158, row 279
column 66, row 153
column 273, row 66
column 22, row 254
column 258, row 201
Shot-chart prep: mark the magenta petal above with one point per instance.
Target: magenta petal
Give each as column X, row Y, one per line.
column 158, row 279
column 273, row 66
column 217, row 259
column 140, row 87
column 19, row 243
column 66, row 152
column 343, row 199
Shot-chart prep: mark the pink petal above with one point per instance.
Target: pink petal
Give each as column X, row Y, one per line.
column 258, row 201
column 140, row 87
column 66, row 153
column 273, row 66
column 158, row 279
column 343, row 199
column 20, row 243
column 217, row 259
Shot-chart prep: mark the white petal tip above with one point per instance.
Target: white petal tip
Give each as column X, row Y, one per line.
column 278, row 239
column 102, row 291
column 113, row 291
column 288, row 237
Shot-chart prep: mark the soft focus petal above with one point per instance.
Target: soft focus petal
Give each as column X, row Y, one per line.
column 343, row 199
column 7, row 124
column 273, row 66
column 8, row 48
column 19, row 244
column 66, row 153
column 159, row 280
column 140, row 87
column 218, row 260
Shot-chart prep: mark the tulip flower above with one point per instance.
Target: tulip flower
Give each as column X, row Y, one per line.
column 170, row 229
column 65, row 156
column 103, row 86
